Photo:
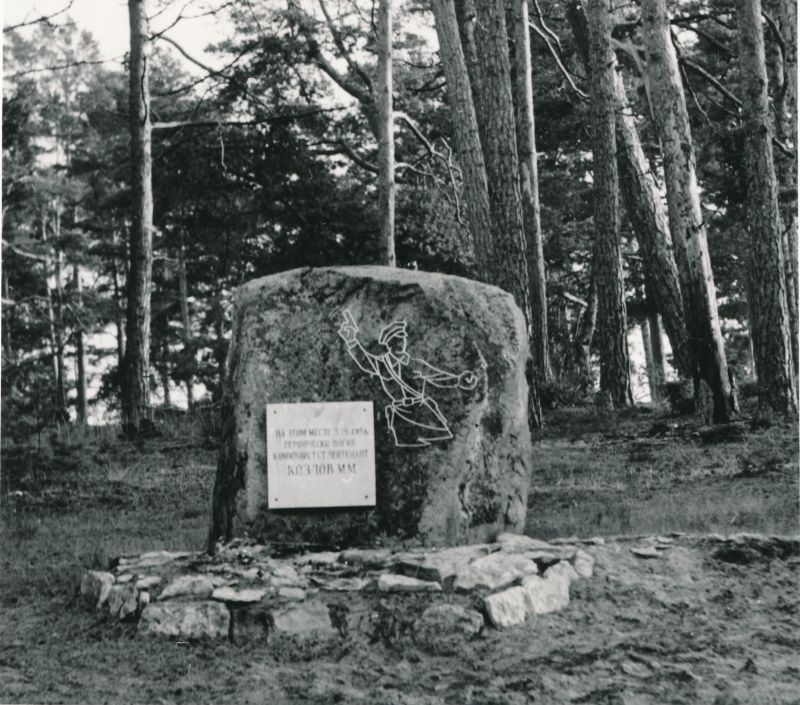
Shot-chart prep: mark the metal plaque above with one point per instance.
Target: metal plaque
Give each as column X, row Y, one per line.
column 320, row 455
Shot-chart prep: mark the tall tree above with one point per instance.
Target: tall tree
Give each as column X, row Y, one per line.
column 488, row 155
column 609, row 277
column 135, row 384
column 773, row 355
column 668, row 104
column 386, row 185
column 529, row 183
column 644, row 206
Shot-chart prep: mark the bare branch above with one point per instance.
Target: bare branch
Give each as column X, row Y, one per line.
column 46, row 19
column 716, row 83
column 23, row 253
column 216, row 72
column 62, row 67
column 339, row 42
column 564, row 71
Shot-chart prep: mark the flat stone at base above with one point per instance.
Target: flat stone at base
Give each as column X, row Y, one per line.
column 147, row 581
column 563, row 569
column 583, row 564
column 507, row 608
column 518, row 543
column 186, row 619
column 154, row 558
column 96, row 587
column 402, row 583
column 310, row 618
column 292, row 593
column 645, row 552
column 443, row 565
column 367, row 557
column 494, row 571
column 245, row 596
column 544, row 595
column 194, row 585
column 123, row 601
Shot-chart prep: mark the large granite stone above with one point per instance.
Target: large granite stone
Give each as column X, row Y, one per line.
column 452, row 462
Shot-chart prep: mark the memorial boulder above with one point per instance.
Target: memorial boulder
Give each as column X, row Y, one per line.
column 361, row 402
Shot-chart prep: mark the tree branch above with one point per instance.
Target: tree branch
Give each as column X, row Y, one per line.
column 337, row 40
column 563, row 69
column 44, row 18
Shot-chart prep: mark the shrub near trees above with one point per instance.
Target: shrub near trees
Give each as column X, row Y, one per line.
column 493, row 132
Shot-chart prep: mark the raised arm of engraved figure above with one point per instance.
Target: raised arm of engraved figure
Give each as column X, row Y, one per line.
column 349, row 333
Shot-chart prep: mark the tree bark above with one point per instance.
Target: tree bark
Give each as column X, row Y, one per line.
column 61, row 384
column 656, row 337
column 782, row 65
column 645, row 208
column 135, row 385
column 582, row 346
column 51, row 318
column 5, row 322
column 767, row 281
column 465, row 134
column 119, row 321
column 529, row 183
column 82, row 401
column 386, row 183
column 490, row 170
column 607, row 258
column 186, row 322
column 683, row 203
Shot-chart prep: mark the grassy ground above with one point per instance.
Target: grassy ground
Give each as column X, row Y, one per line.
column 727, row 637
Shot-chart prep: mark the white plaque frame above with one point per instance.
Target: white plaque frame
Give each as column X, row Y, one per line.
column 320, row 455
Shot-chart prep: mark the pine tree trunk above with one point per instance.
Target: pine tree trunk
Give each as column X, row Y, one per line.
column 644, row 206
column 782, row 65
column 767, row 281
column 5, row 323
column 656, row 336
column 683, row 202
column 119, row 320
column 186, row 322
column 582, row 346
column 529, row 183
column 465, row 134
column 135, row 384
column 82, row 401
column 51, row 318
column 163, row 370
column 490, row 170
column 386, row 183
column 607, row 258
column 61, row 387
column 650, row 367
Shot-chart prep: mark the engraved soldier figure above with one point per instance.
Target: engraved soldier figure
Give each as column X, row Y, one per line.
column 413, row 417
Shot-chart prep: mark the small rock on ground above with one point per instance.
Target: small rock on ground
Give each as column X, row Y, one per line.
column 123, row 601
column 544, row 595
column 307, row 619
column 245, row 596
column 194, row 585
column 96, row 587
column 507, row 608
column 402, row 583
column 494, row 571
column 186, row 620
